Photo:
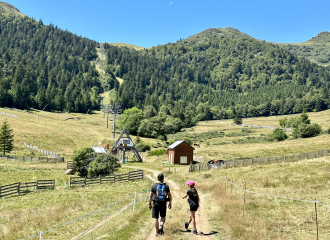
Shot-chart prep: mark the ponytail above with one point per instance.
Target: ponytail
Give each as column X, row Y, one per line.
column 194, row 191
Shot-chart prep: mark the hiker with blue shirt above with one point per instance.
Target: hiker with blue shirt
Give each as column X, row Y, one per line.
column 159, row 195
column 193, row 201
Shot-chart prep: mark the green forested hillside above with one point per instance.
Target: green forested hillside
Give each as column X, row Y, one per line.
column 215, row 74
column 42, row 64
column 206, row 80
column 208, row 34
column 317, row 49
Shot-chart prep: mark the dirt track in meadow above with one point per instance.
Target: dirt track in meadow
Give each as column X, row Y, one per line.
column 201, row 219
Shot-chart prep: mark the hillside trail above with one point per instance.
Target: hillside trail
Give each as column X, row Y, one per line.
column 201, row 219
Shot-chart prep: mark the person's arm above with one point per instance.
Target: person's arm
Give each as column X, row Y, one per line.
column 169, row 195
column 150, row 199
column 185, row 196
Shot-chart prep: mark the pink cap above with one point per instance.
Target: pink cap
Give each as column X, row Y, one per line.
column 191, row 183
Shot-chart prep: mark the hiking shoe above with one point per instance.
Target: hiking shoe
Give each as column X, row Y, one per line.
column 186, row 225
column 194, row 231
column 161, row 230
column 157, row 233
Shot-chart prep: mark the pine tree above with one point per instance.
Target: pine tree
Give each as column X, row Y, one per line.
column 6, row 138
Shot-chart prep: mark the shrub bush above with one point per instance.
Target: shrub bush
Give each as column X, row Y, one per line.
column 103, row 164
column 279, row 134
column 157, row 152
column 80, row 160
column 188, row 140
column 307, row 130
column 142, row 147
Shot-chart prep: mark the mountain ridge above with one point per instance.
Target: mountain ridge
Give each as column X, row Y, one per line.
column 9, row 9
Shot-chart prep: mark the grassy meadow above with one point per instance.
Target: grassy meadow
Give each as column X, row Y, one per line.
column 44, row 209
column 265, row 217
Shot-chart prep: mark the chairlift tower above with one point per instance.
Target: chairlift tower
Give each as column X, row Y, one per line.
column 106, row 110
column 124, row 143
column 114, row 109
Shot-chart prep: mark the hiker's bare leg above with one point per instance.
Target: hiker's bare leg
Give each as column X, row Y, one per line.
column 189, row 220
column 156, row 224
column 162, row 221
column 192, row 217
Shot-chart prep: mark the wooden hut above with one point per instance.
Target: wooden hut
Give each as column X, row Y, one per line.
column 180, row 152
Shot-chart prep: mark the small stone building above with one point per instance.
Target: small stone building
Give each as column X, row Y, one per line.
column 180, row 152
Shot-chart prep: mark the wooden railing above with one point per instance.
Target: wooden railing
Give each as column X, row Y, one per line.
column 84, row 181
column 20, row 188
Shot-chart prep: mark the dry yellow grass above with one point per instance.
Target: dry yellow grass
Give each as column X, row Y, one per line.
column 58, row 135
column 43, row 210
column 267, row 217
column 278, row 219
column 213, row 149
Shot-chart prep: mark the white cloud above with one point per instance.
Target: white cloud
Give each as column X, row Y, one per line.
column 171, row 3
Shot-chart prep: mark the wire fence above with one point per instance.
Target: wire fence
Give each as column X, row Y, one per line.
column 8, row 114
column 23, row 111
column 315, row 202
column 32, row 159
column 45, row 152
column 101, row 216
column 258, row 161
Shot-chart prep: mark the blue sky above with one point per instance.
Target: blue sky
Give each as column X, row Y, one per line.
column 149, row 23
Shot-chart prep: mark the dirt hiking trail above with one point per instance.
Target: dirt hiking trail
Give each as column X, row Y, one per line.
column 181, row 209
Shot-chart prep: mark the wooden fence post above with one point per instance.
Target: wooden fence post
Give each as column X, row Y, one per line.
column 244, row 199
column 69, row 182
column 128, row 178
column 134, row 201
column 317, row 227
column 18, row 188
column 226, row 184
column 100, row 179
column 85, row 180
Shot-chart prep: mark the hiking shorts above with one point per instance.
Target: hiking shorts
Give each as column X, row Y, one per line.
column 158, row 209
column 193, row 206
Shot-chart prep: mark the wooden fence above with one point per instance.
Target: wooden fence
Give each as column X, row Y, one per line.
column 84, row 181
column 69, row 165
column 259, row 161
column 8, row 114
column 23, row 111
column 21, row 188
column 31, row 159
column 44, row 152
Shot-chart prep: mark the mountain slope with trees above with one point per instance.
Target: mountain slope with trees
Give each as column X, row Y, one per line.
column 216, row 74
column 215, row 79
column 317, row 49
column 43, row 65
